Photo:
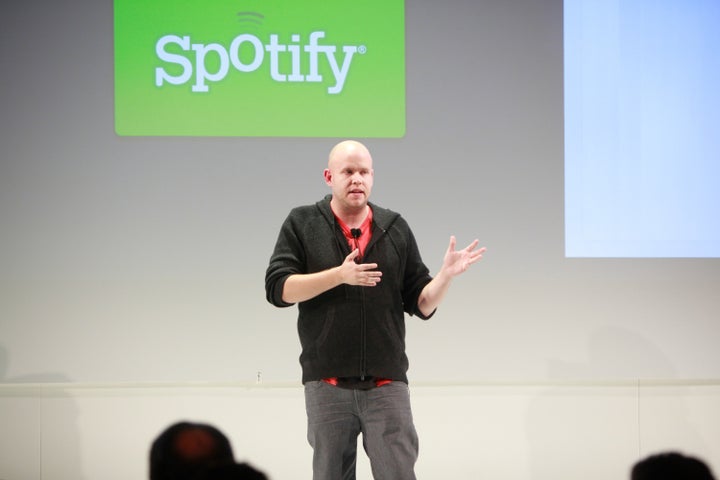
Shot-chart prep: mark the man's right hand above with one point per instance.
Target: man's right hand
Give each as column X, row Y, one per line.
column 360, row 274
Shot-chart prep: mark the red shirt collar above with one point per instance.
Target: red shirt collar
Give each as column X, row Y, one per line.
column 362, row 241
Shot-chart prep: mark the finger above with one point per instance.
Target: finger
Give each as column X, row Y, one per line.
column 352, row 255
column 453, row 242
column 472, row 246
column 476, row 256
column 369, row 280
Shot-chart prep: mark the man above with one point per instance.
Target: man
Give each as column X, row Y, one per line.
column 196, row 451
column 671, row 466
column 184, row 450
column 354, row 270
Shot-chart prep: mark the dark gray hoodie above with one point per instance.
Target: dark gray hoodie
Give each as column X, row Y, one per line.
column 350, row 331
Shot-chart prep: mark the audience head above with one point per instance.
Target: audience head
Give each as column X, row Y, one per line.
column 236, row 471
column 185, row 450
column 671, row 466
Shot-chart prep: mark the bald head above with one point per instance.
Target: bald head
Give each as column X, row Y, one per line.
column 348, row 149
column 350, row 177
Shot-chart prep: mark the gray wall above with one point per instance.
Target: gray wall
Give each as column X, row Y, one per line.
column 142, row 259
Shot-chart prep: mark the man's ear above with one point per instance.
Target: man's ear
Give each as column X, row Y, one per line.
column 327, row 174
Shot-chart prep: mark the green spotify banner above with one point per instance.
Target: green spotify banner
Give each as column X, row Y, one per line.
column 312, row 68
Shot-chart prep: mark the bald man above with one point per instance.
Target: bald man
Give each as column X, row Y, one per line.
column 354, row 270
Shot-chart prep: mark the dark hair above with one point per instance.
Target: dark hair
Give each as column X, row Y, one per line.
column 671, row 466
column 237, row 471
column 184, row 450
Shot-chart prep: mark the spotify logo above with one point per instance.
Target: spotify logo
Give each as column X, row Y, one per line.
column 230, row 56
column 312, row 68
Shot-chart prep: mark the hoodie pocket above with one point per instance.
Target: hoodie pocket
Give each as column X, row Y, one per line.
column 327, row 327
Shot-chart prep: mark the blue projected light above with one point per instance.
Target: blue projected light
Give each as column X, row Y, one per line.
column 642, row 128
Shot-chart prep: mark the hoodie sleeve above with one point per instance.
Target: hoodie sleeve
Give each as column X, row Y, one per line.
column 287, row 259
column 416, row 274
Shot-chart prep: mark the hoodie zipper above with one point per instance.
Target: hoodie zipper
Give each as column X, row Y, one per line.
column 377, row 236
column 363, row 336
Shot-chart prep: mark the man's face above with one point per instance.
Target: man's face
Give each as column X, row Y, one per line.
column 350, row 176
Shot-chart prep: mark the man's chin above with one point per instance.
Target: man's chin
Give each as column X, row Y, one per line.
column 357, row 205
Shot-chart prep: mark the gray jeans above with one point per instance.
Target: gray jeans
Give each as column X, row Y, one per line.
column 336, row 416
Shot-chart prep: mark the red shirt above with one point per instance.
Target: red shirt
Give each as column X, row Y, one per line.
column 358, row 241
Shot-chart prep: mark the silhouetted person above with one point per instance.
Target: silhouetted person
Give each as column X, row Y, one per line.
column 236, row 471
column 196, row 451
column 671, row 466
